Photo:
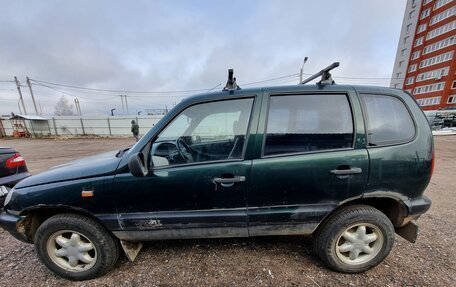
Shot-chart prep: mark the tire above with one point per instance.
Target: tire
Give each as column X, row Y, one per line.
column 75, row 247
column 354, row 239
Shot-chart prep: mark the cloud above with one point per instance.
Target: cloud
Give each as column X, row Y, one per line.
column 185, row 45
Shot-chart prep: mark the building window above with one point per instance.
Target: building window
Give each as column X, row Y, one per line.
column 398, row 75
column 421, row 28
column 452, row 99
column 429, row 101
column 400, row 63
column 435, row 74
column 442, row 16
column 427, row 2
column 396, row 86
column 429, row 88
column 440, row 45
column 437, row 59
column 408, row 27
column 440, row 3
column 409, row 80
column 419, row 41
column 453, row 85
column 412, row 68
column 412, row 14
column 425, row 13
column 415, row 55
column 441, row 30
column 403, row 52
column 406, row 39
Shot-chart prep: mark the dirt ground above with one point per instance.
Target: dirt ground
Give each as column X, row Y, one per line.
column 266, row 261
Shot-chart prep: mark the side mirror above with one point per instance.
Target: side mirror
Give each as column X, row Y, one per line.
column 137, row 165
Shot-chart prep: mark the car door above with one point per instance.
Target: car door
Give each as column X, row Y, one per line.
column 198, row 180
column 313, row 157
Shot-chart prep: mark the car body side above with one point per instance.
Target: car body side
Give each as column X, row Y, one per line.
column 393, row 180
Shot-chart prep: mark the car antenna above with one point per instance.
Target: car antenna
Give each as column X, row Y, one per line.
column 231, row 83
column 326, row 78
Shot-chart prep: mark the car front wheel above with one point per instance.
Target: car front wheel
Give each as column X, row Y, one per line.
column 355, row 239
column 75, row 247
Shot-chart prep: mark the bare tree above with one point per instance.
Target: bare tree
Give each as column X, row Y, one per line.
column 63, row 107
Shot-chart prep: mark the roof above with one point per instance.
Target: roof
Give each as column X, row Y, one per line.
column 291, row 89
column 28, row 117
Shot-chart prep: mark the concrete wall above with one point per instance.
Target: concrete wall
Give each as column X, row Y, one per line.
column 85, row 125
column 406, row 40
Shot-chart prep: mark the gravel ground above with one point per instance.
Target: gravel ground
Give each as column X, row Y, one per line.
column 266, row 261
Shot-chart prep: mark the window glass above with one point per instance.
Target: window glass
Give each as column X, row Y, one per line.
column 305, row 123
column 388, row 120
column 204, row 132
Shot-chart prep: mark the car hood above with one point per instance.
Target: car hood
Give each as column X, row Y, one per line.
column 98, row 165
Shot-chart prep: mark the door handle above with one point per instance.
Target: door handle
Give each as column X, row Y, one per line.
column 227, row 181
column 350, row 171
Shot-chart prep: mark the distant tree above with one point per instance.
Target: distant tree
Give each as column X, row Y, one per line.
column 63, row 107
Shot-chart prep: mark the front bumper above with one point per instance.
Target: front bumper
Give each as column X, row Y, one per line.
column 14, row 224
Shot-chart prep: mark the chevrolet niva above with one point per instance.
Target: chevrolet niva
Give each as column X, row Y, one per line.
column 347, row 165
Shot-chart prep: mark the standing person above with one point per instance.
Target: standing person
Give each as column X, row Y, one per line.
column 135, row 129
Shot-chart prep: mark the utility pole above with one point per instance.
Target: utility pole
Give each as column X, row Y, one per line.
column 126, row 104
column 78, row 107
column 31, row 93
column 123, row 108
column 302, row 69
column 20, row 94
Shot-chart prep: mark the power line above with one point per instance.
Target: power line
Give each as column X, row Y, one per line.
column 120, row 91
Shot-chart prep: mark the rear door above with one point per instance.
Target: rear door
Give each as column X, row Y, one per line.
column 313, row 157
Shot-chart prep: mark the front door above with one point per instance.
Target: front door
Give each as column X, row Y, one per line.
column 198, row 178
column 313, row 158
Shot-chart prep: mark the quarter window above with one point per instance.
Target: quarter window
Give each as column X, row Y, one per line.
column 307, row 123
column 388, row 120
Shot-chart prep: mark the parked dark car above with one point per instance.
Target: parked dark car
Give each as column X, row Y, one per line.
column 12, row 170
column 347, row 165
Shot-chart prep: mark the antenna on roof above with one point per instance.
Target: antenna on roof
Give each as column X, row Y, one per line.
column 231, row 83
column 326, row 78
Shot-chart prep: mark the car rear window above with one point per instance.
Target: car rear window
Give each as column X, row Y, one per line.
column 388, row 120
column 306, row 123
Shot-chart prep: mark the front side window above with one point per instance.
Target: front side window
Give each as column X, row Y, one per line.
column 307, row 123
column 204, row 132
column 388, row 120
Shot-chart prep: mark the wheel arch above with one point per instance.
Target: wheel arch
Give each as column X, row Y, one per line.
column 390, row 205
column 36, row 215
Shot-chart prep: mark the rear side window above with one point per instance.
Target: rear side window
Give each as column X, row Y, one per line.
column 306, row 123
column 388, row 120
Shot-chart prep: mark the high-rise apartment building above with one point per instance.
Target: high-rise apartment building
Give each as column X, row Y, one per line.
column 425, row 62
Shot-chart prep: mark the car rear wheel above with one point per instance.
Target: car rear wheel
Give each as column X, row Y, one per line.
column 355, row 239
column 75, row 247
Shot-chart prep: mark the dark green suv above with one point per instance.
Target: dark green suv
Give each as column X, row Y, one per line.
column 347, row 165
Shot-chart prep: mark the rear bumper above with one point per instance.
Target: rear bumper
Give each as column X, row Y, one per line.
column 11, row 180
column 416, row 207
column 14, row 225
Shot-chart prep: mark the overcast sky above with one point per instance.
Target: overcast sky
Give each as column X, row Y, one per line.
column 185, row 45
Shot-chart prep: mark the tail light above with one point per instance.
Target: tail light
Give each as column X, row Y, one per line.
column 15, row 161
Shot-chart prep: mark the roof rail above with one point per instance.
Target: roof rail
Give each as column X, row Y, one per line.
column 326, row 78
column 231, row 83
